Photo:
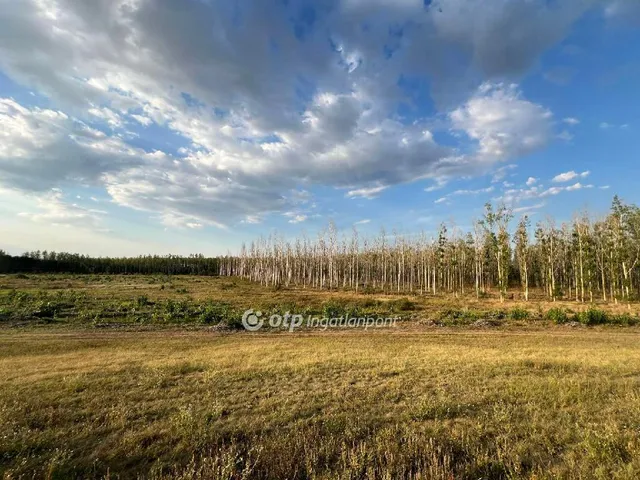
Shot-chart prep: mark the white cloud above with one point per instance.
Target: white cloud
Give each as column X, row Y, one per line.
column 516, row 196
column 54, row 210
column 565, row 135
column 505, row 125
column 472, row 192
column 261, row 130
column 146, row 121
column 296, row 217
column 531, row 181
column 463, row 192
column 42, row 148
column 107, row 115
column 609, row 126
column 441, row 182
column 369, row 193
column 529, row 208
column 502, row 172
column 568, row 176
column 571, row 121
column 577, row 186
column 252, row 219
column 362, row 222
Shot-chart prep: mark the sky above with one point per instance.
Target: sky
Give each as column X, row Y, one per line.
column 130, row 127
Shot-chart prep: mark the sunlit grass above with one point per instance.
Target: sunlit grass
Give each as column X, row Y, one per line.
column 352, row 405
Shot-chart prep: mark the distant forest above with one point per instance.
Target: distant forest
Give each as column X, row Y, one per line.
column 583, row 259
column 52, row 262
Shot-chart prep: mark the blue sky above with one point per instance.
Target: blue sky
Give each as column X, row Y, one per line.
column 156, row 126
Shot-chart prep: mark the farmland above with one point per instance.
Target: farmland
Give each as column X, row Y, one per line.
column 102, row 379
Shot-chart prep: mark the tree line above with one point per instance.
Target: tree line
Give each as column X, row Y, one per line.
column 584, row 259
column 60, row 262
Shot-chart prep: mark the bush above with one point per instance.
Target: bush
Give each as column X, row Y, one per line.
column 47, row 310
column 337, row 309
column 402, row 305
column 519, row 314
column 215, row 313
column 142, row 301
column 557, row 316
column 454, row 316
column 626, row 319
column 371, row 303
column 496, row 314
column 593, row 316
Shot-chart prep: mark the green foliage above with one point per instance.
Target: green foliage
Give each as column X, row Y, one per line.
column 213, row 313
column 496, row 314
column 371, row 303
column 519, row 314
column 593, row 316
column 44, row 310
column 402, row 305
column 337, row 308
column 626, row 320
column 142, row 301
column 557, row 316
column 454, row 316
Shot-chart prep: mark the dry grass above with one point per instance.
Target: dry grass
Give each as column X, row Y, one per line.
column 526, row 400
column 119, row 293
column 483, row 404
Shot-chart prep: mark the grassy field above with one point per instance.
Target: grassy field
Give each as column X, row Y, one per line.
column 164, row 395
column 137, row 300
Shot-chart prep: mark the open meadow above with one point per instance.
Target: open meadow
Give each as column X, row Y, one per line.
column 152, row 377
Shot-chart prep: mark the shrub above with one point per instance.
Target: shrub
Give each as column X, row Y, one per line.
column 496, row 314
column 593, row 316
column 519, row 314
column 370, row 303
column 337, row 309
column 142, row 301
column 557, row 316
column 625, row 319
column 215, row 313
column 454, row 316
column 332, row 309
column 47, row 310
column 402, row 305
